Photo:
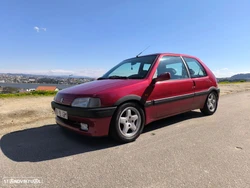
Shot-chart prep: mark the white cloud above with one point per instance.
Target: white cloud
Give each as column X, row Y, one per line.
column 60, row 72
column 91, row 72
column 38, row 29
column 226, row 72
column 82, row 72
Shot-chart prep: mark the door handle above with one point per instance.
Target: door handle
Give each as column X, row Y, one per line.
column 194, row 84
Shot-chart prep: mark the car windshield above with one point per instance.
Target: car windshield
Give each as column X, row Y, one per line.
column 135, row 68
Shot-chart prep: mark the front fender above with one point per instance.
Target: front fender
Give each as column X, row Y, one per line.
column 128, row 98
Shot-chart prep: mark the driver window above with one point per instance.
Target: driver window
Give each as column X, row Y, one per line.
column 173, row 65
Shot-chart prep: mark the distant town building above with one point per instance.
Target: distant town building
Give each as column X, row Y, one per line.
column 23, row 78
column 32, row 80
column 32, row 89
column 47, row 88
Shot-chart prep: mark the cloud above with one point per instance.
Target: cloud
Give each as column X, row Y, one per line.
column 39, row 29
column 91, row 72
column 226, row 72
column 61, row 72
column 36, row 28
column 82, row 72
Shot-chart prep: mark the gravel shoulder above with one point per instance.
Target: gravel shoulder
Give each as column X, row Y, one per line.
column 28, row 112
column 25, row 112
column 234, row 88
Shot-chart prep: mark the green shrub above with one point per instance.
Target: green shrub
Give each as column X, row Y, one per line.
column 33, row 93
column 224, row 82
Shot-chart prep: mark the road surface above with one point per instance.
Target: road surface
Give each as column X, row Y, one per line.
column 187, row 150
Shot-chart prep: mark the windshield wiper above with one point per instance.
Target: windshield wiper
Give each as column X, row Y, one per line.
column 113, row 77
column 117, row 77
column 101, row 78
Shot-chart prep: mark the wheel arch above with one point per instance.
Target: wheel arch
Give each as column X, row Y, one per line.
column 129, row 99
column 205, row 109
column 214, row 89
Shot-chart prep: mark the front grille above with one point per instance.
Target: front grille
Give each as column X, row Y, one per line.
column 70, row 123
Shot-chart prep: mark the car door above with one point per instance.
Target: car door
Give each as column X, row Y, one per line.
column 172, row 96
column 200, row 79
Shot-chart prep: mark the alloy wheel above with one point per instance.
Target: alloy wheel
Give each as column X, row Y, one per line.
column 211, row 102
column 129, row 121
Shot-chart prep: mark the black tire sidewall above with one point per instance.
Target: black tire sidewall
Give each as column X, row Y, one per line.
column 115, row 132
column 205, row 110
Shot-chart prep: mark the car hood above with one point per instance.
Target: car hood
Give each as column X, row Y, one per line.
column 96, row 87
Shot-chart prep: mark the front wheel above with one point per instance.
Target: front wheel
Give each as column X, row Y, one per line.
column 127, row 122
column 211, row 104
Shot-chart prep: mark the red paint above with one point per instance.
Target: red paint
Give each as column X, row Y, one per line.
column 111, row 90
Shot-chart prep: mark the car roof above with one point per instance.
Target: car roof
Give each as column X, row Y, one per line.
column 169, row 54
column 164, row 54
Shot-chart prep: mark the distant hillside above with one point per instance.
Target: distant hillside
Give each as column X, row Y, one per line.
column 47, row 76
column 236, row 77
column 240, row 77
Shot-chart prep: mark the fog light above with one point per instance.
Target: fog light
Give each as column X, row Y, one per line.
column 84, row 126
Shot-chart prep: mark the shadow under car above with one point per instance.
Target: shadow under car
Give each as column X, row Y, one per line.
column 52, row 142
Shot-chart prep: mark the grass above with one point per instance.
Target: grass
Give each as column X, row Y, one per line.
column 33, row 93
column 232, row 82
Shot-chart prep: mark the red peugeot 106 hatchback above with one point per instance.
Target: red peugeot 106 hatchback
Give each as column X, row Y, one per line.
column 136, row 92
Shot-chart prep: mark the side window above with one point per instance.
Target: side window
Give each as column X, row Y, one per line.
column 195, row 68
column 173, row 65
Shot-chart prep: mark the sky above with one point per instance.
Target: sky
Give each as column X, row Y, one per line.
column 89, row 37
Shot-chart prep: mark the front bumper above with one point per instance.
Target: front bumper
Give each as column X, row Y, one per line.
column 98, row 119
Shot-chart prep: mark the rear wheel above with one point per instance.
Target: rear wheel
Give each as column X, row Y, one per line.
column 127, row 122
column 211, row 104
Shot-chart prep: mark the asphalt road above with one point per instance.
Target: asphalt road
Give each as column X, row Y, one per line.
column 187, row 150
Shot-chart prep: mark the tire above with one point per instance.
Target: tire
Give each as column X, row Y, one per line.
column 127, row 123
column 211, row 104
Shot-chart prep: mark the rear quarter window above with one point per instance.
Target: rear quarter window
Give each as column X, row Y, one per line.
column 195, row 68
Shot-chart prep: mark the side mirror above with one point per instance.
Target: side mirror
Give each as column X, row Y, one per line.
column 162, row 77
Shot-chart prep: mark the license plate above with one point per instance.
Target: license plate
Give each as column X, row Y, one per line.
column 61, row 113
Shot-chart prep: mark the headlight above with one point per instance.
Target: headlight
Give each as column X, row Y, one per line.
column 86, row 102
